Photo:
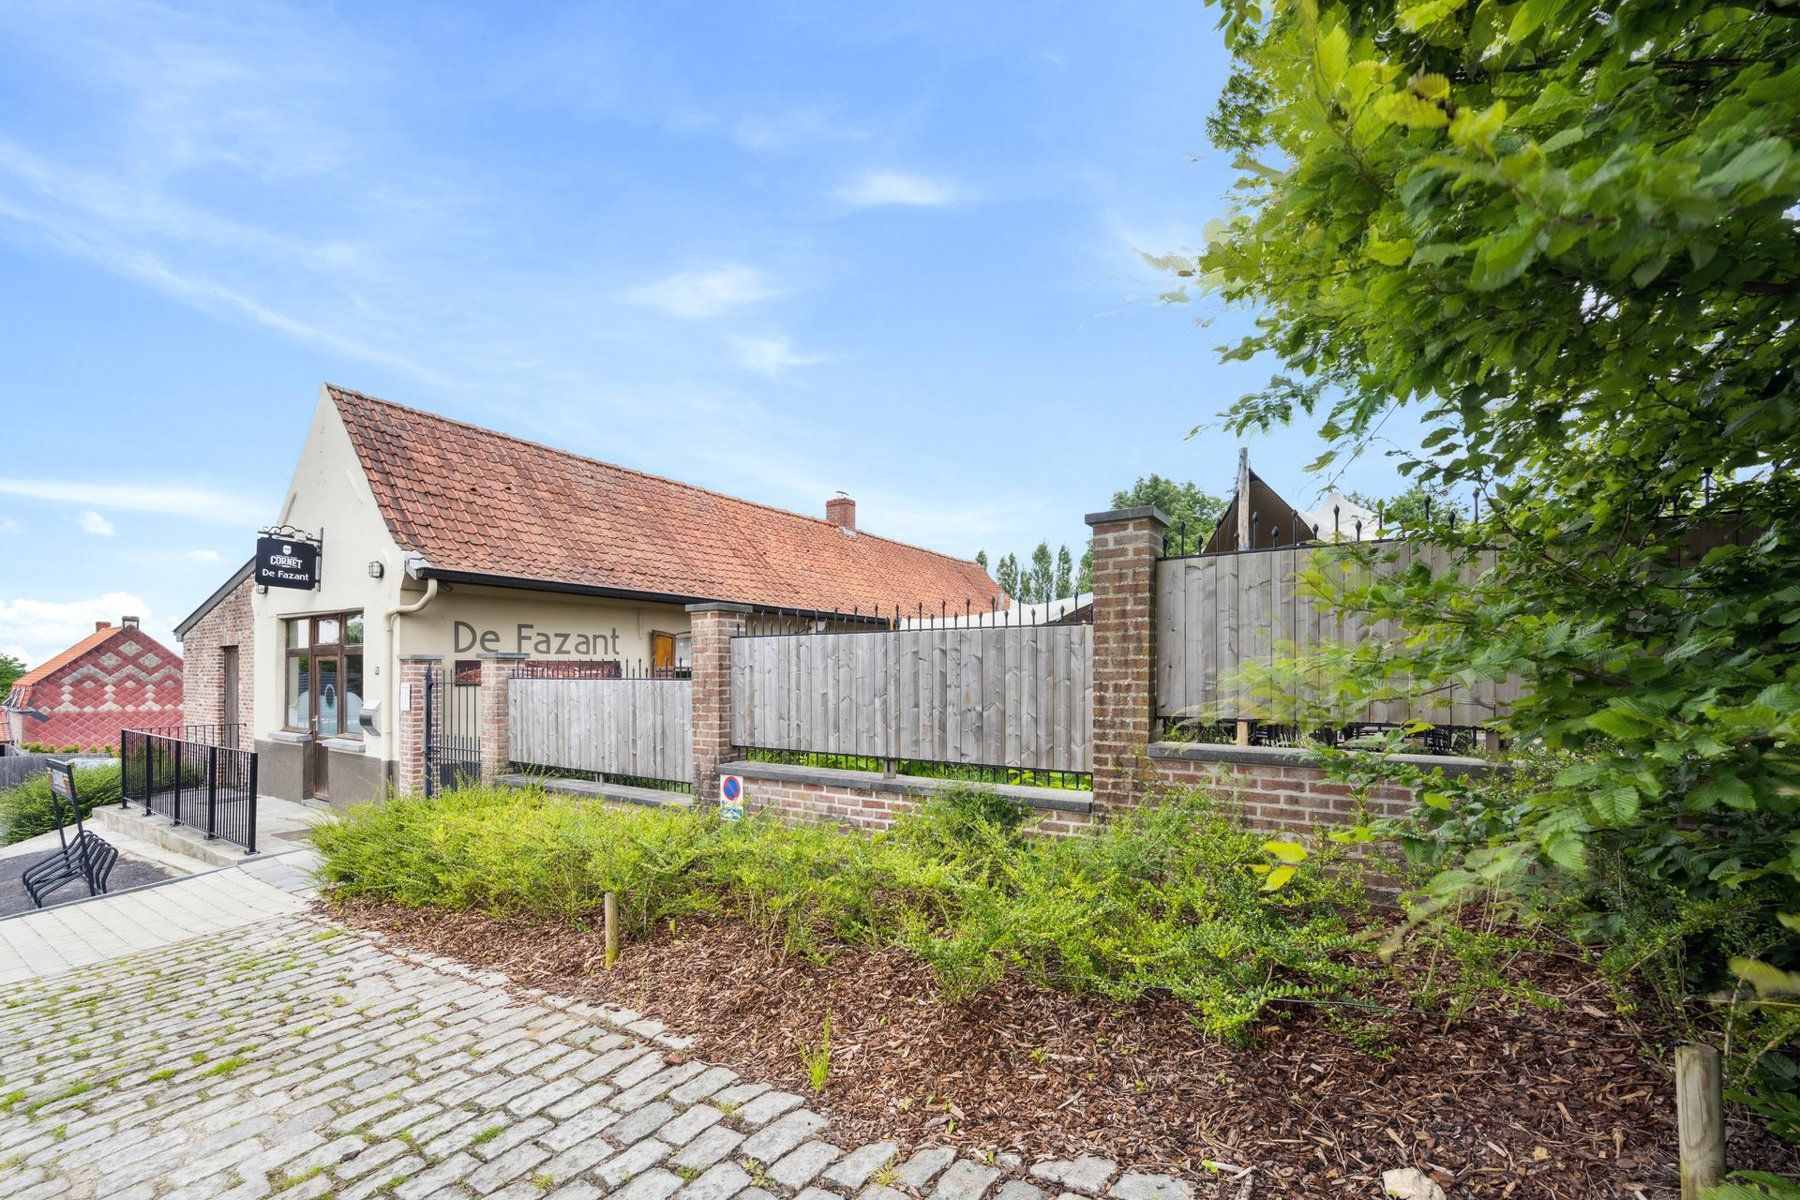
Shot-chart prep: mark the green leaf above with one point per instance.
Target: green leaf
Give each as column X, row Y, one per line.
column 1476, row 128
column 1331, row 58
column 1424, row 15
column 1768, row 979
column 1404, row 108
column 1287, row 852
column 1277, row 879
column 1503, row 257
column 1617, row 723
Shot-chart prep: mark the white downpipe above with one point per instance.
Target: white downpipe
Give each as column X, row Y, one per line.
column 393, row 639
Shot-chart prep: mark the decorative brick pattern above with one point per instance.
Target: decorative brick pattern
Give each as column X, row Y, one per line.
column 492, row 705
column 713, row 627
column 1126, row 545
column 118, row 677
column 230, row 623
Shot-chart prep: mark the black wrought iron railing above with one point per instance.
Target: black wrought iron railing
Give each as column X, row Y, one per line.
column 210, row 787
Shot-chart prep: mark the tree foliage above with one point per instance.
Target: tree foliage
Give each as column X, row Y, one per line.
column 1564, row 234
column 10, row 669
column 1187, row 505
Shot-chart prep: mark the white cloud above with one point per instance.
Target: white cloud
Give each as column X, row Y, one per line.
column 203, row 556
column 172, row 499
column 41, row 628
column 879, row 188
column 776, row 131
column 770, row 355
column 92, row 522
column 696, row 295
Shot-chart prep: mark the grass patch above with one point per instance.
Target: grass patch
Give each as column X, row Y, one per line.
column 226, row 1066
column 1174, row 897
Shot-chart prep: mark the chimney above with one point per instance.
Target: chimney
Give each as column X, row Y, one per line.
column 129, row 622
column 99, row 625
column 840, row 510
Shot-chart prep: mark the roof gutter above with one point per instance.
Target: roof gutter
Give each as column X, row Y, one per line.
column 526, row 583
column 416, row 568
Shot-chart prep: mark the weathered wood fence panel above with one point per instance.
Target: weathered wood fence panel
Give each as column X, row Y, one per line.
column 1216, row 614
column 635, row 727
column 1019, row 696
column 18, row 768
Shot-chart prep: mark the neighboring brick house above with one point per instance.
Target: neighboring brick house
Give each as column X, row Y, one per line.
column 218, row 649
column 118, row 677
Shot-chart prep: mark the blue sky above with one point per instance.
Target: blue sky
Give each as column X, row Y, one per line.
column 778, row 249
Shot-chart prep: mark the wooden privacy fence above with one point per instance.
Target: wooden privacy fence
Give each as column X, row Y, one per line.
column 1019, row 696
column 1218, row 613
column 638, row 728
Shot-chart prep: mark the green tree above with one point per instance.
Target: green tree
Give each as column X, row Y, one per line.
column 1006, row 574
column 1562, row 232
column 10, row 669
column 1042, row 577
column 981, row 559
column 1065, row 575
column 1190, row 508
column 1412, row 509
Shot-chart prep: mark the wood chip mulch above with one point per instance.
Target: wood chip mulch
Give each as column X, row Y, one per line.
column 1584, row 1112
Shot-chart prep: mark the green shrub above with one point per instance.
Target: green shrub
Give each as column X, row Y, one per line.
column 1173, row 898
column 25, row 810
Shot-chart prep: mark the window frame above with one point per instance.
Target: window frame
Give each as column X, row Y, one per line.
column 338, row 651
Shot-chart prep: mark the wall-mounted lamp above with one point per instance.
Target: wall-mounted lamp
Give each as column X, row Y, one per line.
column 376, row 569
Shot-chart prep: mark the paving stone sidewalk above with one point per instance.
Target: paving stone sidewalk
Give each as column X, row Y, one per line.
column 293, row 1056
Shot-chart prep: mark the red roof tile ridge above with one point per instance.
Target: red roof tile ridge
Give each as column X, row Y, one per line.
column 61, row 659
column 340, row 394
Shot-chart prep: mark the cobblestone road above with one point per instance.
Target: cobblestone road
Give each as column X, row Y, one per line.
column 293, row 1056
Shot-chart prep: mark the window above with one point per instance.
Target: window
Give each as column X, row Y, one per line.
column 325, row 674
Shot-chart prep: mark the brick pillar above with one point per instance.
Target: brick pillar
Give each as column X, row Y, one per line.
column 1127, row 543
column 714, row 625
column 409, row 723
column 492, row 711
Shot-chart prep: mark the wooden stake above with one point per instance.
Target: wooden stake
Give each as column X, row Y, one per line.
column 612, row 929
column 1699, row 1118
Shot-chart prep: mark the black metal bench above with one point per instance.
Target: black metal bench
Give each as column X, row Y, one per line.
column 87, row 857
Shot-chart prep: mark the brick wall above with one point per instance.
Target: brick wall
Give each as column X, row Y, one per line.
column 1126, row 544
column 870, row 802
column 203, row 663
column 713, row 626
column 493, row 708
column 409, row 723
column 129, row 680
column 1276, row 787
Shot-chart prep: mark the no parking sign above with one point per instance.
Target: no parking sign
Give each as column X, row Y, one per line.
column 731, row 797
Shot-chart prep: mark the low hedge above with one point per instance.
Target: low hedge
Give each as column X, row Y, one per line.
column 25, row 810
column 1173, row 898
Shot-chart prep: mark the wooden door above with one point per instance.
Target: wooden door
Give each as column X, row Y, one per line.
column 662, row 654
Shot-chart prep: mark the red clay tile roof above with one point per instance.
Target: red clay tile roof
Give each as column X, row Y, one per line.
column 20, row 694
column 472, row 500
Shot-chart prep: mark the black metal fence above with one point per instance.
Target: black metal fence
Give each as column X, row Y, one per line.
column 452, row 730
column 205, row 785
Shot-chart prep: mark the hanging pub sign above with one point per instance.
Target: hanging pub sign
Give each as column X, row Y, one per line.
column 287, row 558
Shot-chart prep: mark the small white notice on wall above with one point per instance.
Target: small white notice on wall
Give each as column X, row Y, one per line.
column 731, row 797
column 406, row 697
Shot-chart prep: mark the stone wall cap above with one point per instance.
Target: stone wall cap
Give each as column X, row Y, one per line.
column 1305, row 756
column 724, row 606
column 1043, row 799
column 293, row 737
column 345, row 745
column 421, row 658
column 1117, row 515
column 503, row 655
